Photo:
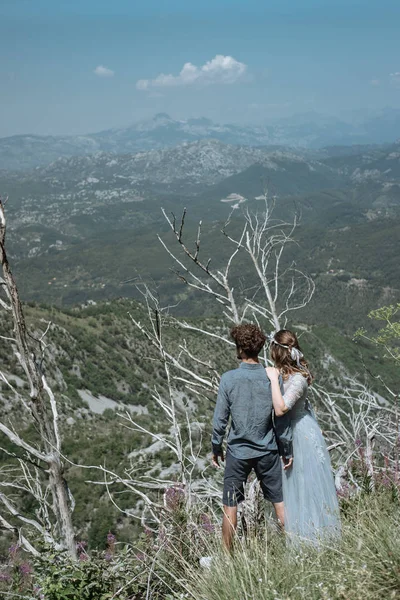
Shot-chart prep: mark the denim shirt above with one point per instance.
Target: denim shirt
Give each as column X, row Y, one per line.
column 245, row 398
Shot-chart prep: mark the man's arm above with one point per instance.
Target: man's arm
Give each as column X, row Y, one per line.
column 284, row 435
column 220, row 421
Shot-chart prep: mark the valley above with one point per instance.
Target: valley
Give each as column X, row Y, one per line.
column 85, row 228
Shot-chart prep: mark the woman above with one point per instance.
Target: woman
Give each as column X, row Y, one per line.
column 309, row 494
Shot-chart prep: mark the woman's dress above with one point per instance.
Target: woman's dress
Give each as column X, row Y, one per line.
column 309, row 494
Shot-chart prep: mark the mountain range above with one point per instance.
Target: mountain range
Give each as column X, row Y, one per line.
column 80, row 227
column 83, row 196
column 308, row 130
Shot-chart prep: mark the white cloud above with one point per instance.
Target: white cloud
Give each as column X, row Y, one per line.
column 221, row 69
column 375, row 82
column 395, row 78
column 102, row 71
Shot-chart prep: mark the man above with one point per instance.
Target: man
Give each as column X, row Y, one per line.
column 256, row 439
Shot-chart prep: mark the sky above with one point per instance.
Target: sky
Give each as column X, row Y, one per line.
column 74, row 67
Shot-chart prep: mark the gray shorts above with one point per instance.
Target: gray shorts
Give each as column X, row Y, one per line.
column 268, row 470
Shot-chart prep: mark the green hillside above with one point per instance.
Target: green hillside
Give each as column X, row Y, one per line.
column 98, row 351
column 355, row 268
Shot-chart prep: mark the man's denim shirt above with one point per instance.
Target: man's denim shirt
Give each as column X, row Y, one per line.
column 245, row 396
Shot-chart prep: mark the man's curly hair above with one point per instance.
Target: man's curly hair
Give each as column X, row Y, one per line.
column 249, row 339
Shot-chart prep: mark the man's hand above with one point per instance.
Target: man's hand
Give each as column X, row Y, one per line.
column 215, row 459
column 272, row 373
column 287, row 462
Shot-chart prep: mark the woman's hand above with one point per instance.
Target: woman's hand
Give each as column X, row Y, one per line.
column 273, row 373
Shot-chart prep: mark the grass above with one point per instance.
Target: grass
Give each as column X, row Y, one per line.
column 364, row 566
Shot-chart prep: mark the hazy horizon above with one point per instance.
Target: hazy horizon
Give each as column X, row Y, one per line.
column 312, row 116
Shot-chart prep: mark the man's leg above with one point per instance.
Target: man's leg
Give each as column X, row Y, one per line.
column 236, row 472
column 229, row 525
column 269, row 473
column 280, row 513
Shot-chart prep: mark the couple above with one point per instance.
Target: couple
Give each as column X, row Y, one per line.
column 271, row 419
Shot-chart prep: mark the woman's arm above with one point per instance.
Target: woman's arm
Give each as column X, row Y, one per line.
column 295, row 390
column 280, row 407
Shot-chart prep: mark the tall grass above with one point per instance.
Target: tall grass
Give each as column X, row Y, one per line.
column 365, row 565
column 164, row 565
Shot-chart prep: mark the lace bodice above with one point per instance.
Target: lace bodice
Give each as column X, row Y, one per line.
column 295, row 395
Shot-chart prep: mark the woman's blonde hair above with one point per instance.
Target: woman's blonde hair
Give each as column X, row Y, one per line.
column 288, row 362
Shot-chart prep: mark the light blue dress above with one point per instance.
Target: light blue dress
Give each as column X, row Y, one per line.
column 309, row 494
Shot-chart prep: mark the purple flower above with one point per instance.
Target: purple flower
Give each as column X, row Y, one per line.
column 80, row 546
column 148, row 532
column 163, row 539
column 4, row 577
column 25, row 569
column 111, row 539
column 108, row 556
column 174, row 496
column 344, row 492
column 83, row 556
column 358, row 442
column 206, row 523
column 13, row 550
column 38, row 592
column 140, row 556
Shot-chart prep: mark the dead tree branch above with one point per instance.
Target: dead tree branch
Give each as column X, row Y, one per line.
column 42, row 407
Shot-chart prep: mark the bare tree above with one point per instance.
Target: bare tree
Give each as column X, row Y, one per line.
column 276, row 291
column 39, row 465
column 363, row 430
column 263, row 240
column 181, row 433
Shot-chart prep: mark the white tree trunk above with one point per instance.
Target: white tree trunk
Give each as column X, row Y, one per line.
column 42, row 405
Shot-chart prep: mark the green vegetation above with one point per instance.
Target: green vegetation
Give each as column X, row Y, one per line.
column 78, row 234
column 97, row 348
column 363, row 566
column 388, row 336
column 355, row 270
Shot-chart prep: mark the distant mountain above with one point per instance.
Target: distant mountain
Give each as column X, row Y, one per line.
column 84, row 227
column 283, row 174
column 84, row 194
column 202, row 162
column 191, row 166
column 308, row 130
column 372, row 163
column 195, row 166
column 54, row 206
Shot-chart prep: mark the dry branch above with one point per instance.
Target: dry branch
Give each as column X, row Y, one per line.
column 43, row 409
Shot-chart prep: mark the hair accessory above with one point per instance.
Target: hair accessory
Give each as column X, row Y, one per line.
column 295, row 353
